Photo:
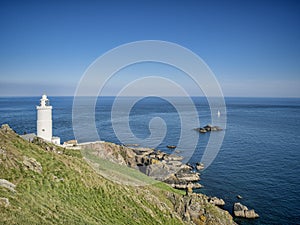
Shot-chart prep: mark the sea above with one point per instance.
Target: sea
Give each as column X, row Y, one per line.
column 259, row 158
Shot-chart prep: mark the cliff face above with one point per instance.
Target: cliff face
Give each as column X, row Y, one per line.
column 44, row 184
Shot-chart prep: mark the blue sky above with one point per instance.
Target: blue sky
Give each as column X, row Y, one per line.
column 253, row 47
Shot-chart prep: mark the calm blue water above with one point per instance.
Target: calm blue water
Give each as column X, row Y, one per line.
column 259, row 158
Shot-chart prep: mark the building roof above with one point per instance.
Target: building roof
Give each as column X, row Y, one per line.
column 28, row 137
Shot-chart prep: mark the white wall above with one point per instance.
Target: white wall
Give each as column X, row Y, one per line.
column 44, row 122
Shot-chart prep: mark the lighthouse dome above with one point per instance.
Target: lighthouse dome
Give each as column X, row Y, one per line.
column 44, row 101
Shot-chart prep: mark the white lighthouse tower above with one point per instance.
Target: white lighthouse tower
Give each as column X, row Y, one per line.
column 44, row 121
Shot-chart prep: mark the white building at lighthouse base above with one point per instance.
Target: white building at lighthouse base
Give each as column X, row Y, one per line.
column 55, row 140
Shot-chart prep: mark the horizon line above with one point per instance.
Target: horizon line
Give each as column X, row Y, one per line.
column 192, row 96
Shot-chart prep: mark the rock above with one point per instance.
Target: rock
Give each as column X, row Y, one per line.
column 143, row 151
column 173, row 157
column 239, row 197
column 182, row 186
column 203, row 218
column 4, row 202
column 208, row 128
column 194, row 209
column 139, row 160
column 32, row 164
column 213, row 129
column 183, row 179
column 196, row 186
column 159, row 154
column 152, row 155
column 106, row 150
column 240, row 210
column 8, row 185
column 189, row 189
column 190, row 165
column 216, row 201
column 251, row 214
column 185, row 186
column 154, row 161
column 129, row 157
column 201, row 130
column 199, row 166
column 6, row 128
column 186, row 167
column 132, row 145
column 158, row 171
column 174, row 163
column 217, row 128
column 171, row 146
column 187, row 177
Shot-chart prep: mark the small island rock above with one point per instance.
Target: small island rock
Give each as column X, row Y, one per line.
column 208, row 128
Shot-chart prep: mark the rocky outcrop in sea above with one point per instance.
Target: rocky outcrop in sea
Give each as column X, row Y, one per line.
column 208, row 128
column 240, row 210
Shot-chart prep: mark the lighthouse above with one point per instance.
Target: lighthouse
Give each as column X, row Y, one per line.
column 44, row 121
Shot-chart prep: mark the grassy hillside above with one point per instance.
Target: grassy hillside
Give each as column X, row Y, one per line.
column 59, row 187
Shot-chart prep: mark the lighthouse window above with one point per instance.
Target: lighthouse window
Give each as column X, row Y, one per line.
column 43, row 129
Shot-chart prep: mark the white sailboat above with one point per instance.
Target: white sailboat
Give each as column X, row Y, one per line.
column 219, row 113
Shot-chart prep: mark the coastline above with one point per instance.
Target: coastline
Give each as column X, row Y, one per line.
column 160, row 166
column 68, row 172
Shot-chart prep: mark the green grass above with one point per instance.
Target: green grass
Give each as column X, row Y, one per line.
column 83, row 196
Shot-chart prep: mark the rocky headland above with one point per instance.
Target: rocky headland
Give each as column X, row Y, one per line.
column 167, row 168
column 41, row 183
column 154, row 163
